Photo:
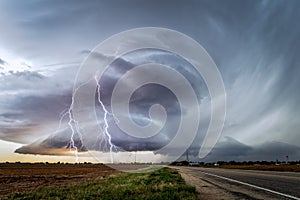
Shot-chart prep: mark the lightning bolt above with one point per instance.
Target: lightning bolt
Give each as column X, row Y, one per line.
column 72, row 124
column 104, row 138
column 107, row 137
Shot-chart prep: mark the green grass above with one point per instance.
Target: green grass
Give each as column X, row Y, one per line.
column 161, row 184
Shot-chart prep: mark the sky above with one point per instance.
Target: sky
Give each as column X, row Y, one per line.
column 254, row 43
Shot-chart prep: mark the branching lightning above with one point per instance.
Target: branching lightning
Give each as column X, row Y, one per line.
column 104, row 138
column 71, row 124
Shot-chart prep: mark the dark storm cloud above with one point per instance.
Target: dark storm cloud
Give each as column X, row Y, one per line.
column 35, row 110
column 140, row 103
column 144, row 97
column 29, row 100
column 17, row 133
column 231, row 149
column 2, row 62
column 226, row 150
column 56, row 144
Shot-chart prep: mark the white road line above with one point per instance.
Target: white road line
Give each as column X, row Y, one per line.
column 250, row 185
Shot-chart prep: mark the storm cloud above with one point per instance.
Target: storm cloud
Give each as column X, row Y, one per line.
column 2, row 62
column 230, row 149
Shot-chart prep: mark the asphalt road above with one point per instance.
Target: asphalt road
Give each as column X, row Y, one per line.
column 244, row 184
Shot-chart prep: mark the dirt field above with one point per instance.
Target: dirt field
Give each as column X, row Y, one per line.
column 163, row 183
column 29, row 177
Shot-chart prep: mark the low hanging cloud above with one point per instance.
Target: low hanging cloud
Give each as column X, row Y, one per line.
column 231, row 149
column 29, row 100
column 56, row 144
column 227, row 150
column 140, row 103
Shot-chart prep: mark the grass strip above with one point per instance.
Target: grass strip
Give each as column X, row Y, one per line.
column 161, row 184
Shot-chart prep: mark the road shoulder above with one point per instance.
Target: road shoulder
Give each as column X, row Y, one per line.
column 209, row 187
column 205, row 190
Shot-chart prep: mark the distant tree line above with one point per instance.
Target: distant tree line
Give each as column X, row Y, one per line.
column 186, row 163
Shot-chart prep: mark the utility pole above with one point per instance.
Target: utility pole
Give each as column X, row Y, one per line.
column 187, row 155
column 135, row 154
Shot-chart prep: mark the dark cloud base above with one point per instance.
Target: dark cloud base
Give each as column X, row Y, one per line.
column 231, row 149
column 227, row 150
